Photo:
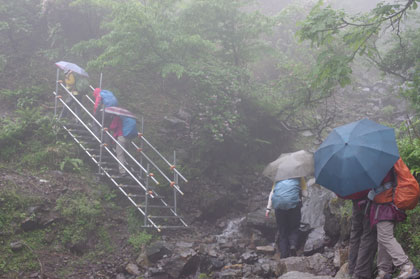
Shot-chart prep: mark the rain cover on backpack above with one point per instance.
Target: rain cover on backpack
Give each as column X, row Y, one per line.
column 406, row 193
column 108, row 98
column 129, row 127
column 286, row 194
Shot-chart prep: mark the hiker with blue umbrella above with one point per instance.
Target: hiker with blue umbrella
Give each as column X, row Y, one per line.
column 359, row 156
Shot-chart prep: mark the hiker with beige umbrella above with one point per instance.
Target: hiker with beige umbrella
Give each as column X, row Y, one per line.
column 287, row 174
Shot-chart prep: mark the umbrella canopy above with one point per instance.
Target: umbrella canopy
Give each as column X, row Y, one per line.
column 355, row 157
column 120, row 112
column 290, row 165
column 66, row 66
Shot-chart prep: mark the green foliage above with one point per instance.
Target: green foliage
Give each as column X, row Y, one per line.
column 71, row 164
column 410, row 153
column 408, row 234
column 139, row 239
column 82, row 212
column 12, row 209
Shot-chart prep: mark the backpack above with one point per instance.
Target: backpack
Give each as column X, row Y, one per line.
column 129, row 127
column 82, row 85
column 108, row 98
column 286, row 194
column 405, row 193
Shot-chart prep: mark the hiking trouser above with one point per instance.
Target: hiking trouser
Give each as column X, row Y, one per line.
column 389, row 250
column 72, row 104
column 120, row 153
column 288, row 222
column 363, row 244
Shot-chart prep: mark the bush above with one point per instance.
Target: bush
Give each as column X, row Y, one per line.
column 408, row 235
column 82, row 212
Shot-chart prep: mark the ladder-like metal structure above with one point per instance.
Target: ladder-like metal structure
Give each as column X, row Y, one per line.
column 141, row 185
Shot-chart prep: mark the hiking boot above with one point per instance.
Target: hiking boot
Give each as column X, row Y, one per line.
column 408, row 271
column 383, row 275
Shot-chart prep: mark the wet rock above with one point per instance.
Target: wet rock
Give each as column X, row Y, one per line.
column 315, row 241
column 16, row 246
column 343, row 273
column 142, row 260
column 256, row 239
column 184, row 244
column 249, row 257
column 257, row 220
column 337, row 219
column 230, row 274
column 180, row 267
column 210, row 264
column 30, row 224
column 175, row 122
column 268, row 249
column 341, row 256
column 314, row 204
column 156, row 251
column 132, row 269
column 302, row 275
column 316, row 264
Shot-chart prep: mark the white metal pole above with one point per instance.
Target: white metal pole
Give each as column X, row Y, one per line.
column 56, row 90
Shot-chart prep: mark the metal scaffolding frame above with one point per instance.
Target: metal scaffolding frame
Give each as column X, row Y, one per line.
column 137, row 187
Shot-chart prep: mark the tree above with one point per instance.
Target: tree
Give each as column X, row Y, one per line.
column 346, row 36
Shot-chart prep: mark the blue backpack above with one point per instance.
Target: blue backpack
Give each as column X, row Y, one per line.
column 286, row 194
column 129, row 127
column 108, row 98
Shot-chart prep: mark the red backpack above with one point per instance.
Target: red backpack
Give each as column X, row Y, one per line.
column 405, row 194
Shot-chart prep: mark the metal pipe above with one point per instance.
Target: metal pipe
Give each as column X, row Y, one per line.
column 100, row 81
column 176, row 181
column 146, row 200
column 56, row 90
column 102, row 138
column 163, row 158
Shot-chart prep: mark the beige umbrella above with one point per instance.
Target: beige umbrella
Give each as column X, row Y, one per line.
column 290, row 165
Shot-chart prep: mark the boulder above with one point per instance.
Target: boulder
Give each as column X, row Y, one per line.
column 337, row 219
column 313, row 206
column 132, row 269
column 316, row 264
column 315, row 241
column 156, row 251
column 341, row 255
column 249, row 257
column 267, row 226
column 343, row 273
column 302, row 275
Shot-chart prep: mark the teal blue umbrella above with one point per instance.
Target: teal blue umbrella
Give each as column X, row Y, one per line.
column 355, row 157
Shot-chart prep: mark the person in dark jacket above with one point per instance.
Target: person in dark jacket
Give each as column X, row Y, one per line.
column 363, row 243
column 288, row 218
